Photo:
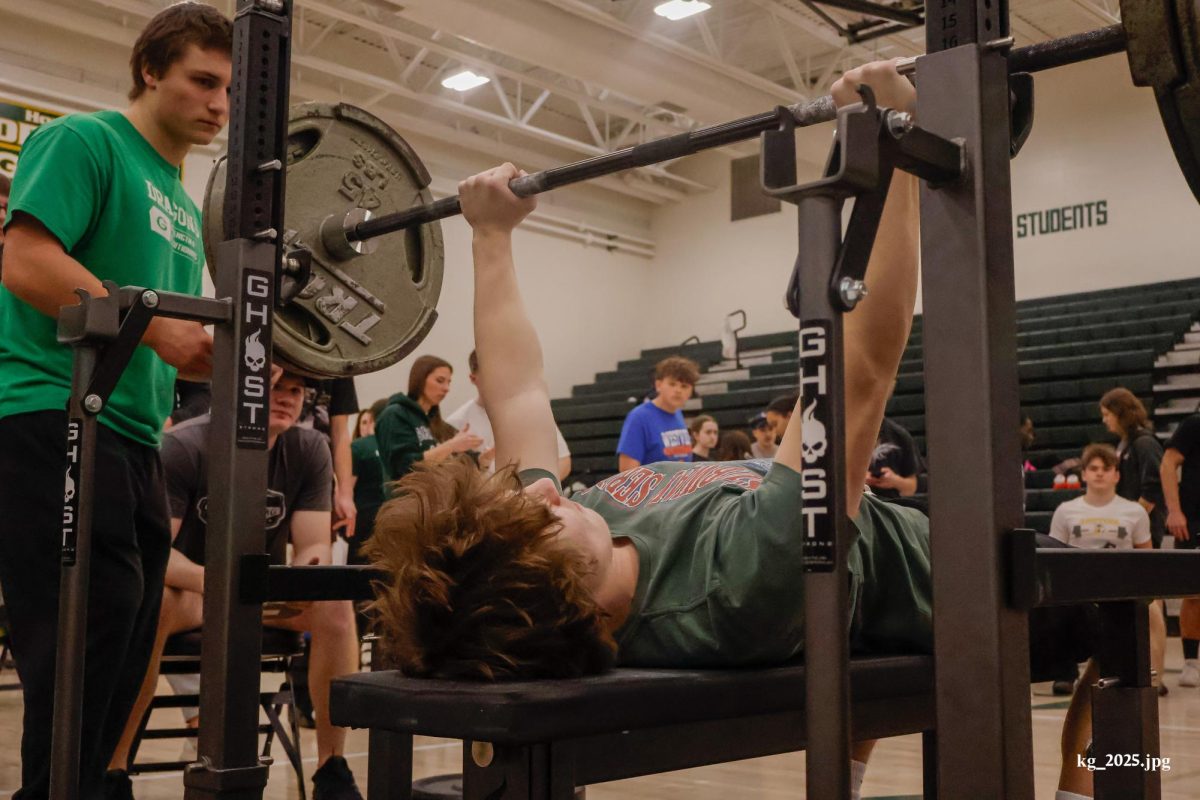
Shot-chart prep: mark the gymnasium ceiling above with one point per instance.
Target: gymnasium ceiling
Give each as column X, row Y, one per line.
column 568, row 78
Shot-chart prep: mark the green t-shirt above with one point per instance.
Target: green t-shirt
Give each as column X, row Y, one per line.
column 720, row 581
column 120, row 210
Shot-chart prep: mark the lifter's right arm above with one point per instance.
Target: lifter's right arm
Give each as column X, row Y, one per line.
column 511, row 373
column 39, row 271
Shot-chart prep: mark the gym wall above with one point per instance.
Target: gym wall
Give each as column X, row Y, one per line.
column 588, row 305
column 1096, row 138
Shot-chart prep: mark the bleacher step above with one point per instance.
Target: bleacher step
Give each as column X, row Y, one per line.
column 1178, row 358
column 723, row 378
column 1188, row 380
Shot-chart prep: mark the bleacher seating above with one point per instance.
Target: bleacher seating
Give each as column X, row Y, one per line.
column 1072, row 348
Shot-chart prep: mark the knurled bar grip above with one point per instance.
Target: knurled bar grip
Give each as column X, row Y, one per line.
column 1034, row 58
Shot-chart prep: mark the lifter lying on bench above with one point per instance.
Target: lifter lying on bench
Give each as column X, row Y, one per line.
column 669, row 564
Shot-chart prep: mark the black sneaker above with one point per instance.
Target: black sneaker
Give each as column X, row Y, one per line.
column 335, row 781
column 117, row 785
column 1063, row 687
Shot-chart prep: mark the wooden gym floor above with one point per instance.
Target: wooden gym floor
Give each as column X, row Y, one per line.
column 895, row 770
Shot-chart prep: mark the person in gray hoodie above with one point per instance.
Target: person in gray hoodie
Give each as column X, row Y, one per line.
column 411, row 427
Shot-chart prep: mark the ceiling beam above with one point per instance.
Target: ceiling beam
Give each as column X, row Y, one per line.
column 631, row 109
column 363, row 78
column 826, row 34
column 602, row 49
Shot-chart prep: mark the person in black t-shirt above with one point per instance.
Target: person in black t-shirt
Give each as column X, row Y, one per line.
column 1141, row 455
column 895, row 463
column 1180, row 475
column 300, row 475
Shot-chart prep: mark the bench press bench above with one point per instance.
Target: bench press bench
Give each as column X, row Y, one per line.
column 545, row 737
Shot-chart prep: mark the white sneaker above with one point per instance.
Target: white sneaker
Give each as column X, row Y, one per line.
column 1190, row 675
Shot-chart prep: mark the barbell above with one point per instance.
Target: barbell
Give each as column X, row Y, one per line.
column 351, row 179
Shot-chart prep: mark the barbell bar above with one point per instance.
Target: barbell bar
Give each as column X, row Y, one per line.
column 1034, row 58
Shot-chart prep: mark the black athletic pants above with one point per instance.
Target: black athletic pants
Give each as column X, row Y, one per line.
column 131, row 535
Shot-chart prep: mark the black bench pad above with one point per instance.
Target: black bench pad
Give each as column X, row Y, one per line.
column 525, row 712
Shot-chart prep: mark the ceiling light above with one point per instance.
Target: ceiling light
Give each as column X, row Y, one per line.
column 678, row 9
column 465, row 81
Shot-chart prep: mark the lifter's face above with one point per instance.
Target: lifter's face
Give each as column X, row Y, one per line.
column 582, row 529
column 190, row 101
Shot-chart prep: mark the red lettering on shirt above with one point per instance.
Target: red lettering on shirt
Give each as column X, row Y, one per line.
column 630, row 488
column 693, row 480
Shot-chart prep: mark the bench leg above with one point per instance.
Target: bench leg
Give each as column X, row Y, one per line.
column 389, row 765
column 531, row 772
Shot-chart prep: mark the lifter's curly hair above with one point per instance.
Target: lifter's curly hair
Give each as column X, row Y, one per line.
column 479, row 586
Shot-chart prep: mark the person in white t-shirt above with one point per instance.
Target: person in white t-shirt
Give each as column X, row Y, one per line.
column 1100, row 519
column 474, row 414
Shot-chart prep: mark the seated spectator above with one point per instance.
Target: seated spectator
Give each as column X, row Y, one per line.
column 1141, row 455
column 895, row 462
column 778, row 412
column 655, row 430
column 411, row 429
column 192, row 399
column 705, row 434
column 734, row 446
column 368, row 478
column 298, row 508
column 472, row 416
column 764, row 437
column 1102, row 519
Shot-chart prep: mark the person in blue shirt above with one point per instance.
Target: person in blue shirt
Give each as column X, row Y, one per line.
column 655, row 430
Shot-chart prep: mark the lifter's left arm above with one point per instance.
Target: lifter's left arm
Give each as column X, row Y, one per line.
column 876, row 332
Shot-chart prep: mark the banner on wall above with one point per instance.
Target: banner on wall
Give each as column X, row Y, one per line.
column 17, row 121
